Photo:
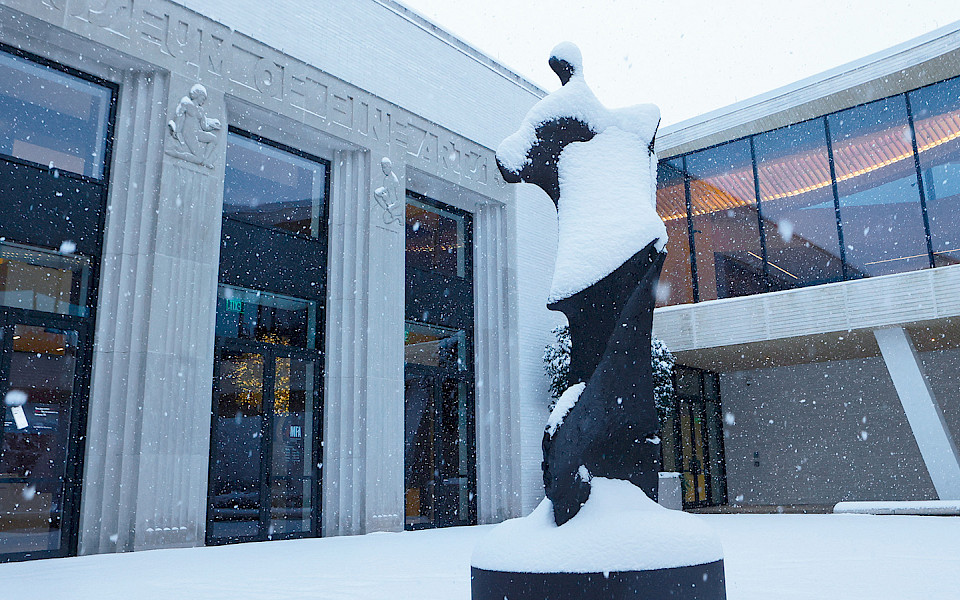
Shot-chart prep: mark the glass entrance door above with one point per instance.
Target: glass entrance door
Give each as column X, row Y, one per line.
column 438, row 448
column 263, row 474
column 693, row 438
column 42, row 383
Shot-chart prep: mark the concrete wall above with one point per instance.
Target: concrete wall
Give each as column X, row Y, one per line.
column 941, row 368
column 822, row 433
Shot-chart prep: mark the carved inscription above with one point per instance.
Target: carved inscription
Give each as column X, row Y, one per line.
column 204, row 47
column 112, row 15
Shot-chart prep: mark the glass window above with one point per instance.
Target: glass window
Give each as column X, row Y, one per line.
column 796, row 200
column 35, row 279
column 236, row 446
column 51, row 118
column 267, row 186
column 264, row 317
column 725, row 225
column 936, row 118
column 877, row 185
column 675, row 285
column 34, row 437
column 434, row 346
column 436, row 239
column 291, row 472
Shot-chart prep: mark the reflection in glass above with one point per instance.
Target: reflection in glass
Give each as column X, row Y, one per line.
column 436, row 239
column 420, row 461
column 265, row 317
column 267, row 186
column 725, row 225
column 51, row 118
column 675, row 285
column 434, row 346
column 35, row 279
column 796, row 199
column 291, row 471
column 438, row 448
column 936, row 118
column 877, row 186
column 35, row 438
column 238, row 424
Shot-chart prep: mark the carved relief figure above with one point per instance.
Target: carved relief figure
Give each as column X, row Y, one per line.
column 389, row 195
column 195, row 133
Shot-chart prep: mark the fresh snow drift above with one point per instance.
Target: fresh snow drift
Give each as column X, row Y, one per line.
column 607, row 209
column 618, row 529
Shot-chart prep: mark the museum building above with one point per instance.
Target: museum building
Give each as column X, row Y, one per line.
column 260, row 279
column 811, row 286
column 250, row 293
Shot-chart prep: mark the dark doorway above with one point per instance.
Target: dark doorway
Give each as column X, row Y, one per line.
column 438, row 449
column 265, row 436
column 693, row 438
column 439, row 446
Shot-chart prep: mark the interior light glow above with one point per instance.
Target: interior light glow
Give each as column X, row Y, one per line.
column 811, row 171
column 774, row 265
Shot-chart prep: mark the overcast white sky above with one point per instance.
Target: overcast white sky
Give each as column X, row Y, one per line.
column 687, row 56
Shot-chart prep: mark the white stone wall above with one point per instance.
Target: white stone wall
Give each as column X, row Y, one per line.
column 385, row 49
column 349, row 81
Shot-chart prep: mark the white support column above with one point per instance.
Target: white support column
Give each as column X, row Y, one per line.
column 363, row 399
column 937, row 446
column 145, row 479
column 497, row 382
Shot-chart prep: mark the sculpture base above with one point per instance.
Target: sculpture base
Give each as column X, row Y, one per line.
column 696, row 582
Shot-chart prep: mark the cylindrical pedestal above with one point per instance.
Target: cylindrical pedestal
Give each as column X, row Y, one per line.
column 696, row 582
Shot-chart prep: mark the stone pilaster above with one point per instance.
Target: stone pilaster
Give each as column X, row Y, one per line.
column 148, row 438
column 497, row 381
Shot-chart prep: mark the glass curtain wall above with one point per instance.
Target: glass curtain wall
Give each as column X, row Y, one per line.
column 723, row 206
column 936, row 119
column 55, row 138
column 867, row 191
column 675, row 286
column 799, row 216
column 877, row 188
column 265, row 451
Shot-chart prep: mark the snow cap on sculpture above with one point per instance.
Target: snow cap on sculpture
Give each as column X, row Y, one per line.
column 599, row 168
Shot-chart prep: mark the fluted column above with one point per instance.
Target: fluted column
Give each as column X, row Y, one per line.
column 145, row 475
column 497, row 383
column 363, row 400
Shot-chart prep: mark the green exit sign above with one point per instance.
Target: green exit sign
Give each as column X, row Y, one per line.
column 234, row 305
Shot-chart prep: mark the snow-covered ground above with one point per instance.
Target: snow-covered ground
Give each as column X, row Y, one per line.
column 788, row 557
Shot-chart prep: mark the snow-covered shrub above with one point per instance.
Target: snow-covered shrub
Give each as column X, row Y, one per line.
column 556, row 362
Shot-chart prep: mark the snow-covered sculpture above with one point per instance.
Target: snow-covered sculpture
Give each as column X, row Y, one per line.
column 599, row 533
column 599, row 168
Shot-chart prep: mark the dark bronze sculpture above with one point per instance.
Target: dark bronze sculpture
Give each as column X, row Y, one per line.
column 612, row 429
column 601, row 444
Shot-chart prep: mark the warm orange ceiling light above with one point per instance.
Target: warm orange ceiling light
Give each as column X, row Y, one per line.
column 804, row 173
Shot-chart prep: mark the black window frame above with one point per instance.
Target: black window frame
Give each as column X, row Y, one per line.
column 848, row 273
column 310, row 251
column 92, row 248
column 414, row 305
